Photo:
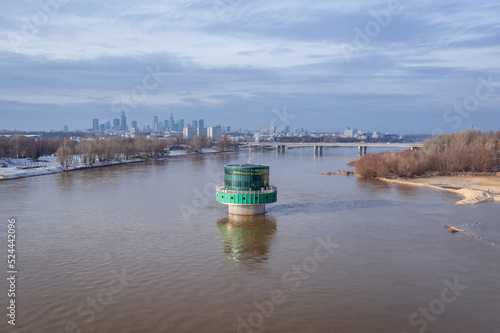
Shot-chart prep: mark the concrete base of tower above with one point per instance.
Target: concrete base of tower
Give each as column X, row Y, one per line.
column 247, row 209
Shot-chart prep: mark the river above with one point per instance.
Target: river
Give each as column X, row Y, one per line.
column 146, row 248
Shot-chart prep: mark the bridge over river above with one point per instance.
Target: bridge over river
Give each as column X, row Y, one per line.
column 318, row 146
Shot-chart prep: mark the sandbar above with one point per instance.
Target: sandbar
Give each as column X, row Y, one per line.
column 473, row 188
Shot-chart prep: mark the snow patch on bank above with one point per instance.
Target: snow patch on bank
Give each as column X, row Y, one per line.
column 12, row 172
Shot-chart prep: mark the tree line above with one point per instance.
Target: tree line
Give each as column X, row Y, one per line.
column 468, row 151
column 19, row 146
column 90, row 150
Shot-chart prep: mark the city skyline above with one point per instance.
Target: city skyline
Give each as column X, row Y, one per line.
column 114, row 126
column 157, row 125
column 400, row 66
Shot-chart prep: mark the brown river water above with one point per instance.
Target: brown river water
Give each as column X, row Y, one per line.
column 146, row 248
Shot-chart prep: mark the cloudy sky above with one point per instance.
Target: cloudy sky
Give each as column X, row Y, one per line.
column 402, row 66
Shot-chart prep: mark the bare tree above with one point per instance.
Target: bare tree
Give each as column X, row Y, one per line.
column 226, row 143
column 142, row 145
column 159, row 147
column 200, row 141
column 469, row 151
column 85, row 148
column 65, row 153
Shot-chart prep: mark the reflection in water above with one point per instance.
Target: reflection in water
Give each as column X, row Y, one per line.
column 247, row 237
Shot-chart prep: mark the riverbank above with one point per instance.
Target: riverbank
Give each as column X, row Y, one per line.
column 16, row 173
column 22, row 168
column 473, row 189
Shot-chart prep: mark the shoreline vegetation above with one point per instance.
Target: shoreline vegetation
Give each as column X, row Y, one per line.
column 43, row 169
column 22, row 156
column 466, row 163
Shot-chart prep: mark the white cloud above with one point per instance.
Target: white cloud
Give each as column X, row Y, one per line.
column 216, row 54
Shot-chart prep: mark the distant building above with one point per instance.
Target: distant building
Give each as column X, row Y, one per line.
column 392, row 137
column 181, row 125
column 349, row 133
column 107, row 125
column 195, row 123
column 201, row 123
column 272, row 129
column 102, row 128
column 287, row 129
column 171, row 122
column 214, row 133
column 95, row 125
column 155, row 123
column 123, row 121
column 134, row 125
column 229, row 129
column 363, row 135
column 65, row 128
column 190, row 131
column 202, row 131
column 116, row 124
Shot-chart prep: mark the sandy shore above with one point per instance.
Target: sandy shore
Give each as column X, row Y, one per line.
column 472, row 188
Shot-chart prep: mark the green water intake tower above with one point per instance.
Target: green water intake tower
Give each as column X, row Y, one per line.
column 246, row 189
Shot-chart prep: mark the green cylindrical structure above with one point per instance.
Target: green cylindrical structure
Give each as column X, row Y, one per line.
column 246, row 189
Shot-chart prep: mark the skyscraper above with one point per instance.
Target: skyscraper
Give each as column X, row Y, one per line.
column 195, row 123
column 181, row 125
column 134, row 125
column 190, row 131
column 123, row 121
column 214, row 132
column 155, row 123
column 201, row 123
column 95, row 125
column 116, row 124
column 202, row 131
column 171, row 122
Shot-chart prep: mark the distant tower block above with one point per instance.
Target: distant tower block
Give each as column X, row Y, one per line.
column 246, row 189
